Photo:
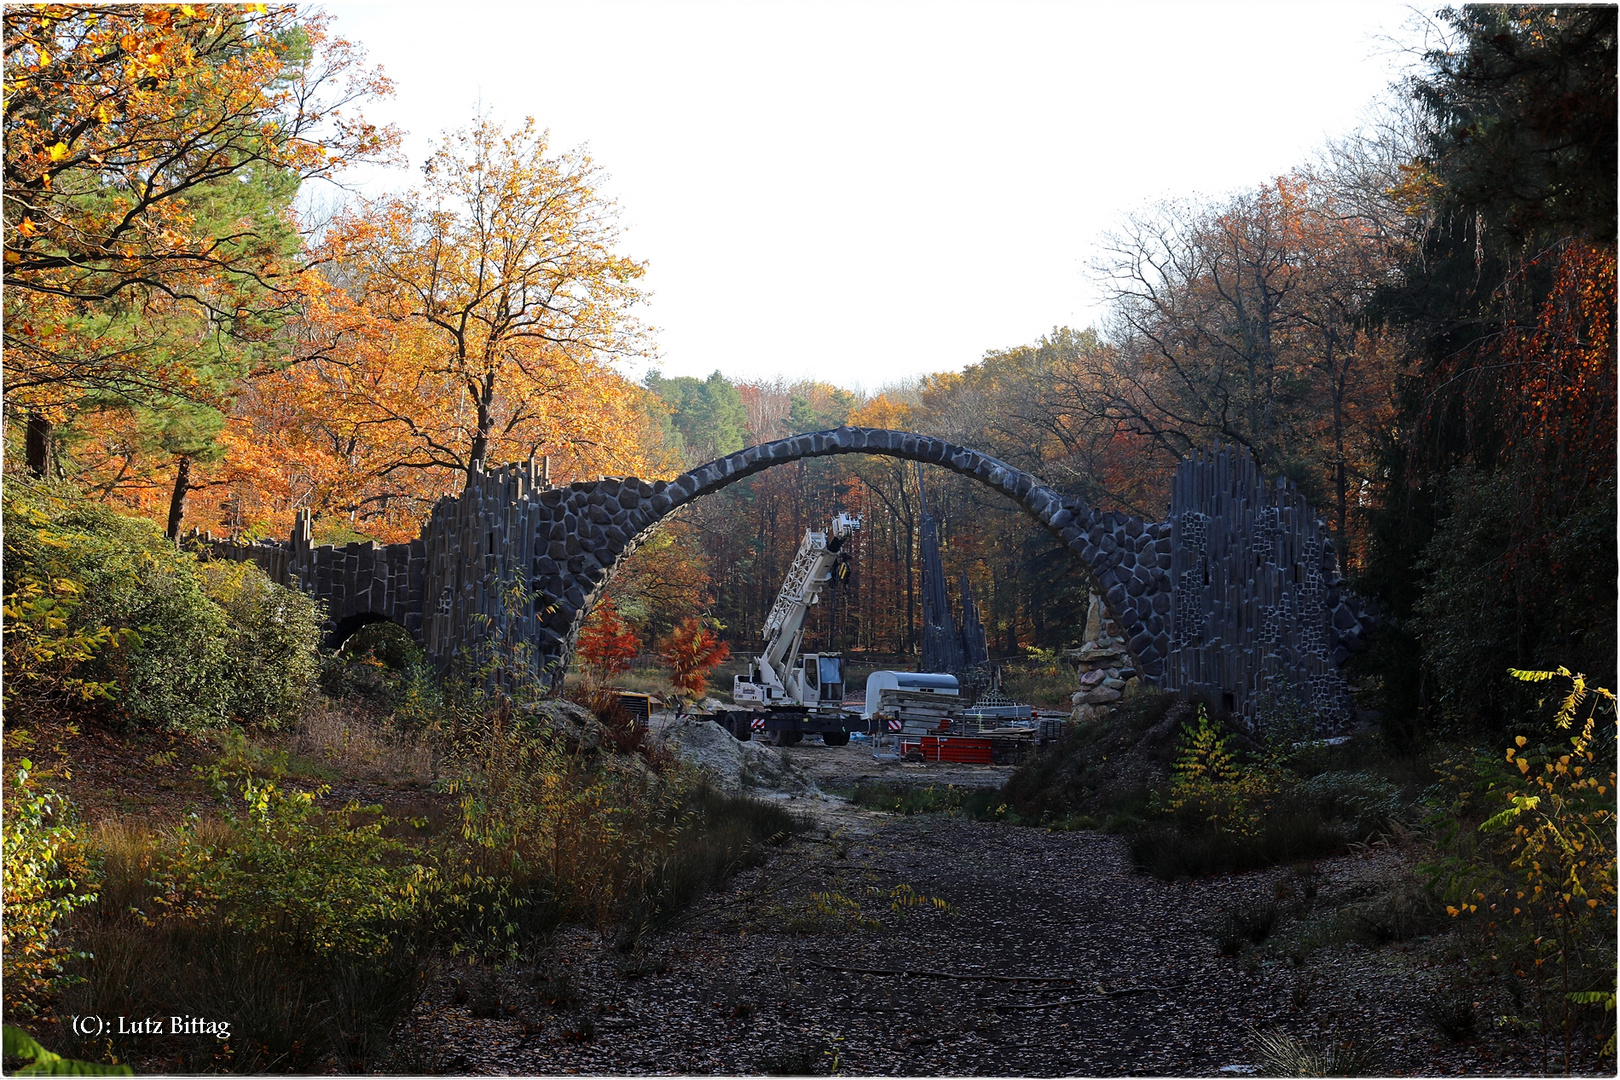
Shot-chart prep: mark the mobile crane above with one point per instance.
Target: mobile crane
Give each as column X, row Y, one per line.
column 798, row 695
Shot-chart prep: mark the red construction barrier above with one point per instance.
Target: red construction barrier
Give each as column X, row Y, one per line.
column 959, row 749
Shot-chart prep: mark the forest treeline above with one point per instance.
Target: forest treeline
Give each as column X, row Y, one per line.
column 1416, row 327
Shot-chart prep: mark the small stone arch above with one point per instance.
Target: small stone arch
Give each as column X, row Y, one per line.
column 345, row 628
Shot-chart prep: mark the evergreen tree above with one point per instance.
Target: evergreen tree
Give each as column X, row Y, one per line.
column 1493, row 543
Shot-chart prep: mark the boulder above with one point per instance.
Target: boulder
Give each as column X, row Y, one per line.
column 1100, row 696
column 569, row 721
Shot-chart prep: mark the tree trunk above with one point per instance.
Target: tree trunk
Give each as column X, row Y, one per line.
column 40, row 444
column 486, row 424
column 177, row 501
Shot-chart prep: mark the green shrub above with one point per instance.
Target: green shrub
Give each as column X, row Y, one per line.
column 290, row 870
column 102, row 606
column 271, row 638
column 46, row 878
column 1365, row 802
column 41, row 1062
column 1534, row 881
column 301, row 926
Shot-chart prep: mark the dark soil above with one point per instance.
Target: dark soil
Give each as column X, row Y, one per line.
column 1057, row 959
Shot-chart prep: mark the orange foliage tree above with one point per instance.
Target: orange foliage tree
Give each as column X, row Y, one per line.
column 474, row 320
column 692, row 652
column 607, row 644
column 666, row 578
column 133, row 258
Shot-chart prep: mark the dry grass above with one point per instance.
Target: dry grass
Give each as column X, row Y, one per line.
column 1047, row 686
column 131, row 854
column 362, row 748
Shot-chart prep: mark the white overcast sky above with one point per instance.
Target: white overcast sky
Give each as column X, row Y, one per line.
column 860, row 192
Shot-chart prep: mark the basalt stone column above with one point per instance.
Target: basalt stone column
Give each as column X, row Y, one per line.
column 355, row 582
column 1260, row 619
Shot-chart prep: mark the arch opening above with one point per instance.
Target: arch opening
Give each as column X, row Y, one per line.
column 346, row 628
column 1120, row 555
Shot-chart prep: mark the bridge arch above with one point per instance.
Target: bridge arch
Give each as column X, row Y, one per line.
column 342, row 629
column 583, row 533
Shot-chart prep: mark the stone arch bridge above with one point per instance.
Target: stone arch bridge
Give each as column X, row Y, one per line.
column 1234, row 595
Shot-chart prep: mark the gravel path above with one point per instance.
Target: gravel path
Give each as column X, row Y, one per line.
column 1057, row 959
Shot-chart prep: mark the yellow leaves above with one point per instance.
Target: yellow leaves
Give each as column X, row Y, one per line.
column 1520, row 740
column 58, row 151
column 1536, row 676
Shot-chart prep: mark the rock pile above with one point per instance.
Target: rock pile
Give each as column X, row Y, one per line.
column 1102, row 664
column 734, row 767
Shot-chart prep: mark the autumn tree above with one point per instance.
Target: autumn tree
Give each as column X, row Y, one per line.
column 126, row 127
column 1243, row 321
column 607, row 644
column 468, row 312
column 692, row 652
column 669, row 576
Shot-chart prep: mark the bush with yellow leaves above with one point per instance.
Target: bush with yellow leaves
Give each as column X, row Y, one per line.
column 1207, row 784
column 1539, row 884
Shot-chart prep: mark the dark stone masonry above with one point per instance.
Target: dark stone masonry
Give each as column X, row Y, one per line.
column 1236, row 594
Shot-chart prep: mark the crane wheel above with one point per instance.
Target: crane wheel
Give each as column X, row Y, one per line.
column 835, row 738
column 741, row 726
column 786, row 738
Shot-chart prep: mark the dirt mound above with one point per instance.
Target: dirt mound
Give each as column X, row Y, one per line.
column 734, row 767
column 1106, row 764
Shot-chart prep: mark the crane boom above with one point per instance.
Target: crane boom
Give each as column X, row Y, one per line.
column 776, row 677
